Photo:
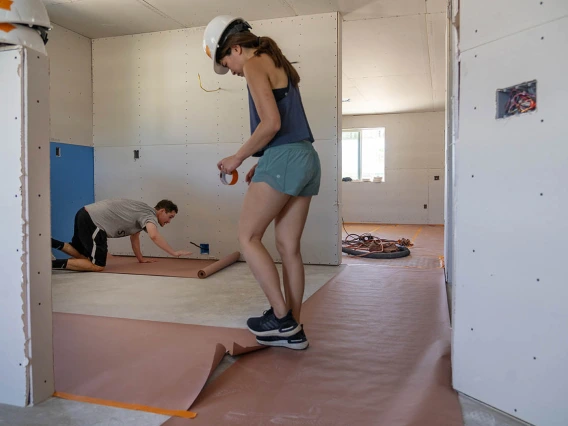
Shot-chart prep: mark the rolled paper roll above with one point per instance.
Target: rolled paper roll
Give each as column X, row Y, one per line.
column 220, row 264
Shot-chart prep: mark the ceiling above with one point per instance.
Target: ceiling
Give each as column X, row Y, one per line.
column 393, row 50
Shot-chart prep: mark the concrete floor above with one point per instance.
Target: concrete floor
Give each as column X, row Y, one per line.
column 225, row 299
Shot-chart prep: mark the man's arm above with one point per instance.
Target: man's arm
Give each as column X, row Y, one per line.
column 135, row 241
column 161, row 241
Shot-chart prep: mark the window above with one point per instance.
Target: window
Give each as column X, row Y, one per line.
column 363, row 154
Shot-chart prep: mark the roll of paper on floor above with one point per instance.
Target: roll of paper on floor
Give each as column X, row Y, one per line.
column 235, row 178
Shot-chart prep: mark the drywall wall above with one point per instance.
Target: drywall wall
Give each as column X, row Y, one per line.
column 71, row 93
column 147, row 97
column 26, row 360
column 414, row 156
column 71, row 113
column 72, row 187
column 510, row 317
column 13, row 359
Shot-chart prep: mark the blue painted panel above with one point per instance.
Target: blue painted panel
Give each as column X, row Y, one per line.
column 72, row 187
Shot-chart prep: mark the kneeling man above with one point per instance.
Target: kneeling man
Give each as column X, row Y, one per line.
column 114, row 218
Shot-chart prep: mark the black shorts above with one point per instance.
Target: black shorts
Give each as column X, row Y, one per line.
column 88, row 239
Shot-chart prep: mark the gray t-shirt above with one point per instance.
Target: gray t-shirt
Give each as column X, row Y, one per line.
column 120, row 217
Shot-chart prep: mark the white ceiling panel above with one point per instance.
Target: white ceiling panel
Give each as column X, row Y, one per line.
column 109, row 18
column 392, row 94
column 198, row 13
column 393, row 54
column 439, row 103
column 385, row 47
column 436, row 24
column 46, row 2
column 384, row 9
column 353, row 95
column 359, row 9
column 436, row 6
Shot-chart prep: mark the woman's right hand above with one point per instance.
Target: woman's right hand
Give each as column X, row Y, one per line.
column 250, row 174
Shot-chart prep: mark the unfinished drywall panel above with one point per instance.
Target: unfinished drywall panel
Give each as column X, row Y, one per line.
column 148, row 97
column 323, row 224
column 26, row 363
column 362, row 10
column 437, row 6
column 436, row 188
column 171, row 101
column 116, row 92
column 436, row 26
column 169, row 172
column 201, row 11
column 400, row 200
column 339, row 154
column 118, row 175
column 487, row 21
column 71, row 94
column 313, row 43
column 511, row 202
column 161, row 93
column 38, row 225
column 388, row 37
column 13, row 303
column 115, row 18
column 414, row 145
column 452, row 122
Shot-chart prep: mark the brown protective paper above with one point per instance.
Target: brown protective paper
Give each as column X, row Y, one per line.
column 155, row 364
column 379, row 355
column 169, row 267
column 217, row 266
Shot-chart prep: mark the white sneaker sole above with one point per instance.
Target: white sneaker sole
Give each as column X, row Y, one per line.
column 276, row 333
column 285, row 344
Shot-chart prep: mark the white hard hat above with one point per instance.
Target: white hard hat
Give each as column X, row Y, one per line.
column 217, row 32
column 25, row 12
column 23, row 36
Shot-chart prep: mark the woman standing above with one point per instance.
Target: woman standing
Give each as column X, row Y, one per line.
column 283, row 182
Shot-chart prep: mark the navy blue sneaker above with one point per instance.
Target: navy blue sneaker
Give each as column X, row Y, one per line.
column 298, row 341
column 269, row 325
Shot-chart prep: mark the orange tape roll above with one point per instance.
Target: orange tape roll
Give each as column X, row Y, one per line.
column 235, row 178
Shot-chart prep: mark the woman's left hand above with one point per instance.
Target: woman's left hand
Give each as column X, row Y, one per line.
column 228, row 164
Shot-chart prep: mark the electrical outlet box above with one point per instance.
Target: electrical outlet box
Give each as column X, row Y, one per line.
column 436, row 177
column 516, row 100
column 204, row 248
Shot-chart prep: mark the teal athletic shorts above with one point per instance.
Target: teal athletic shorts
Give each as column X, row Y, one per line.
column 292, row 168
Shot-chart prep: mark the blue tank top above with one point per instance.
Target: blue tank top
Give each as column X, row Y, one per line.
column 294, row 126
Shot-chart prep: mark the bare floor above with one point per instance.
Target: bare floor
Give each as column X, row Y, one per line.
column 225, row 299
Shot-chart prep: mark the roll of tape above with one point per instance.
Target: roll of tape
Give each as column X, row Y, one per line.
column 223, row 177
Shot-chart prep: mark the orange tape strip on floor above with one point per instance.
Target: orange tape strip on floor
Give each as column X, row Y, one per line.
column 175, row 413
column 416, row 235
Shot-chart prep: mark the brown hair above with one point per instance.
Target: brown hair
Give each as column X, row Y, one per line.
column 167, row 205
column 263, row 45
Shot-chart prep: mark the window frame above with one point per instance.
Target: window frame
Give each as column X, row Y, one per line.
column 359, row 131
